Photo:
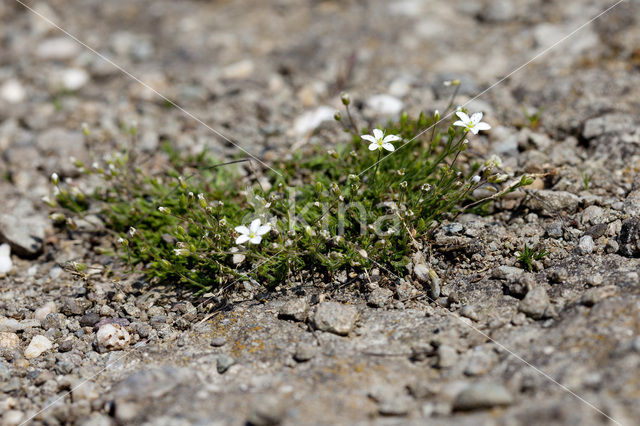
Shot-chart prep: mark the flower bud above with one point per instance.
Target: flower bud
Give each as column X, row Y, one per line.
column 345, row 98
column 337, row 116
column 202, row 201
column 55, row 179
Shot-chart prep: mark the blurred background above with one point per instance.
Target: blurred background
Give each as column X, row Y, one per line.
column 267, row 73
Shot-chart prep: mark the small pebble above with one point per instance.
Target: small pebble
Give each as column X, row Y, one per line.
column 296, row 309
column 112, row 337
column 379, row 297
column 335, row 318
column 447, row 356
column 482, row 396
column 39, row 344
column 5, row 259
column 48, row 308
column 535, row 303
column 8, row 341
column 585, row 245
column 218, row 341
column 224, row 363
column 305, row 352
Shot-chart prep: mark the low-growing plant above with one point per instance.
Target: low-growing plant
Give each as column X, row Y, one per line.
column 372, row 198
column 528, row 255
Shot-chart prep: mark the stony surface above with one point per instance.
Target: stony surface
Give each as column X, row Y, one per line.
column 323, row 350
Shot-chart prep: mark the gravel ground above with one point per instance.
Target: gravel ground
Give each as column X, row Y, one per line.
column 495, row 345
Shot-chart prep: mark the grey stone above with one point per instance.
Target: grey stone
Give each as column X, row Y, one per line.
column 597, row 294
column 74, row 306
column 296, row 309
column 421, row 272
column 379, row 297
column 267, row 410
column 610, row 123
column 509, row 273
column 629, row 239
column 53, row 320
column 335, row 318
column 549, row 203
column 305, row 352
column 60, row 145
column 469, row 311
column 535, row 303
column 89, row 320
column 22, row 228
column 498, row 11
column 216, row 342
column 554, row 230
column 391, row 401
column 9, row 325
column 447, row 356
column 585, row 245
column 224, row 363
column 482, row 396
column 65, row 346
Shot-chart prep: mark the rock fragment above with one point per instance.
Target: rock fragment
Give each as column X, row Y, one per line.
column 112, row 337
column 335, row 318
column 39, row 344
column 481, row 396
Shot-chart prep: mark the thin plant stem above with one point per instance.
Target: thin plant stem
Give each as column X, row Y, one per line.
column 375, row 171
column 351, row 120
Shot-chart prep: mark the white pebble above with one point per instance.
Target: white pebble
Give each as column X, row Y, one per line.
column 74, row 78
column 5, row 259
column 59, row 48
column 112, row 337
column 9, row 341
column 12, row 91
column 44, row 310
column 38, row 345
column 385, row 104
column 312, row 119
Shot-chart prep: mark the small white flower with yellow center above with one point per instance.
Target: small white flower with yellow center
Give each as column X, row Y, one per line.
column 253, row 233
column 471, row 124
column 379, row 141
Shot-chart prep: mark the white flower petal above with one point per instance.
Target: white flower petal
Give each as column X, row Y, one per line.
column 368, row 138
column 474, row 130
column 475, row 118
column 373, row 146
column 378, row 134
column 483, row 126
column 256, row 239
column 242, row 239
column 391, row 138
column 242, row 229
column 460, row 123
column 464, row 117
column 388, row 147
column 263, row 229
column 254, row 225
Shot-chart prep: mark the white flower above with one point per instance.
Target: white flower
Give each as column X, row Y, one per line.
column 132, row 231
column 253, row 233
column 475, row 179
column 471, row 124
column 380, row 141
